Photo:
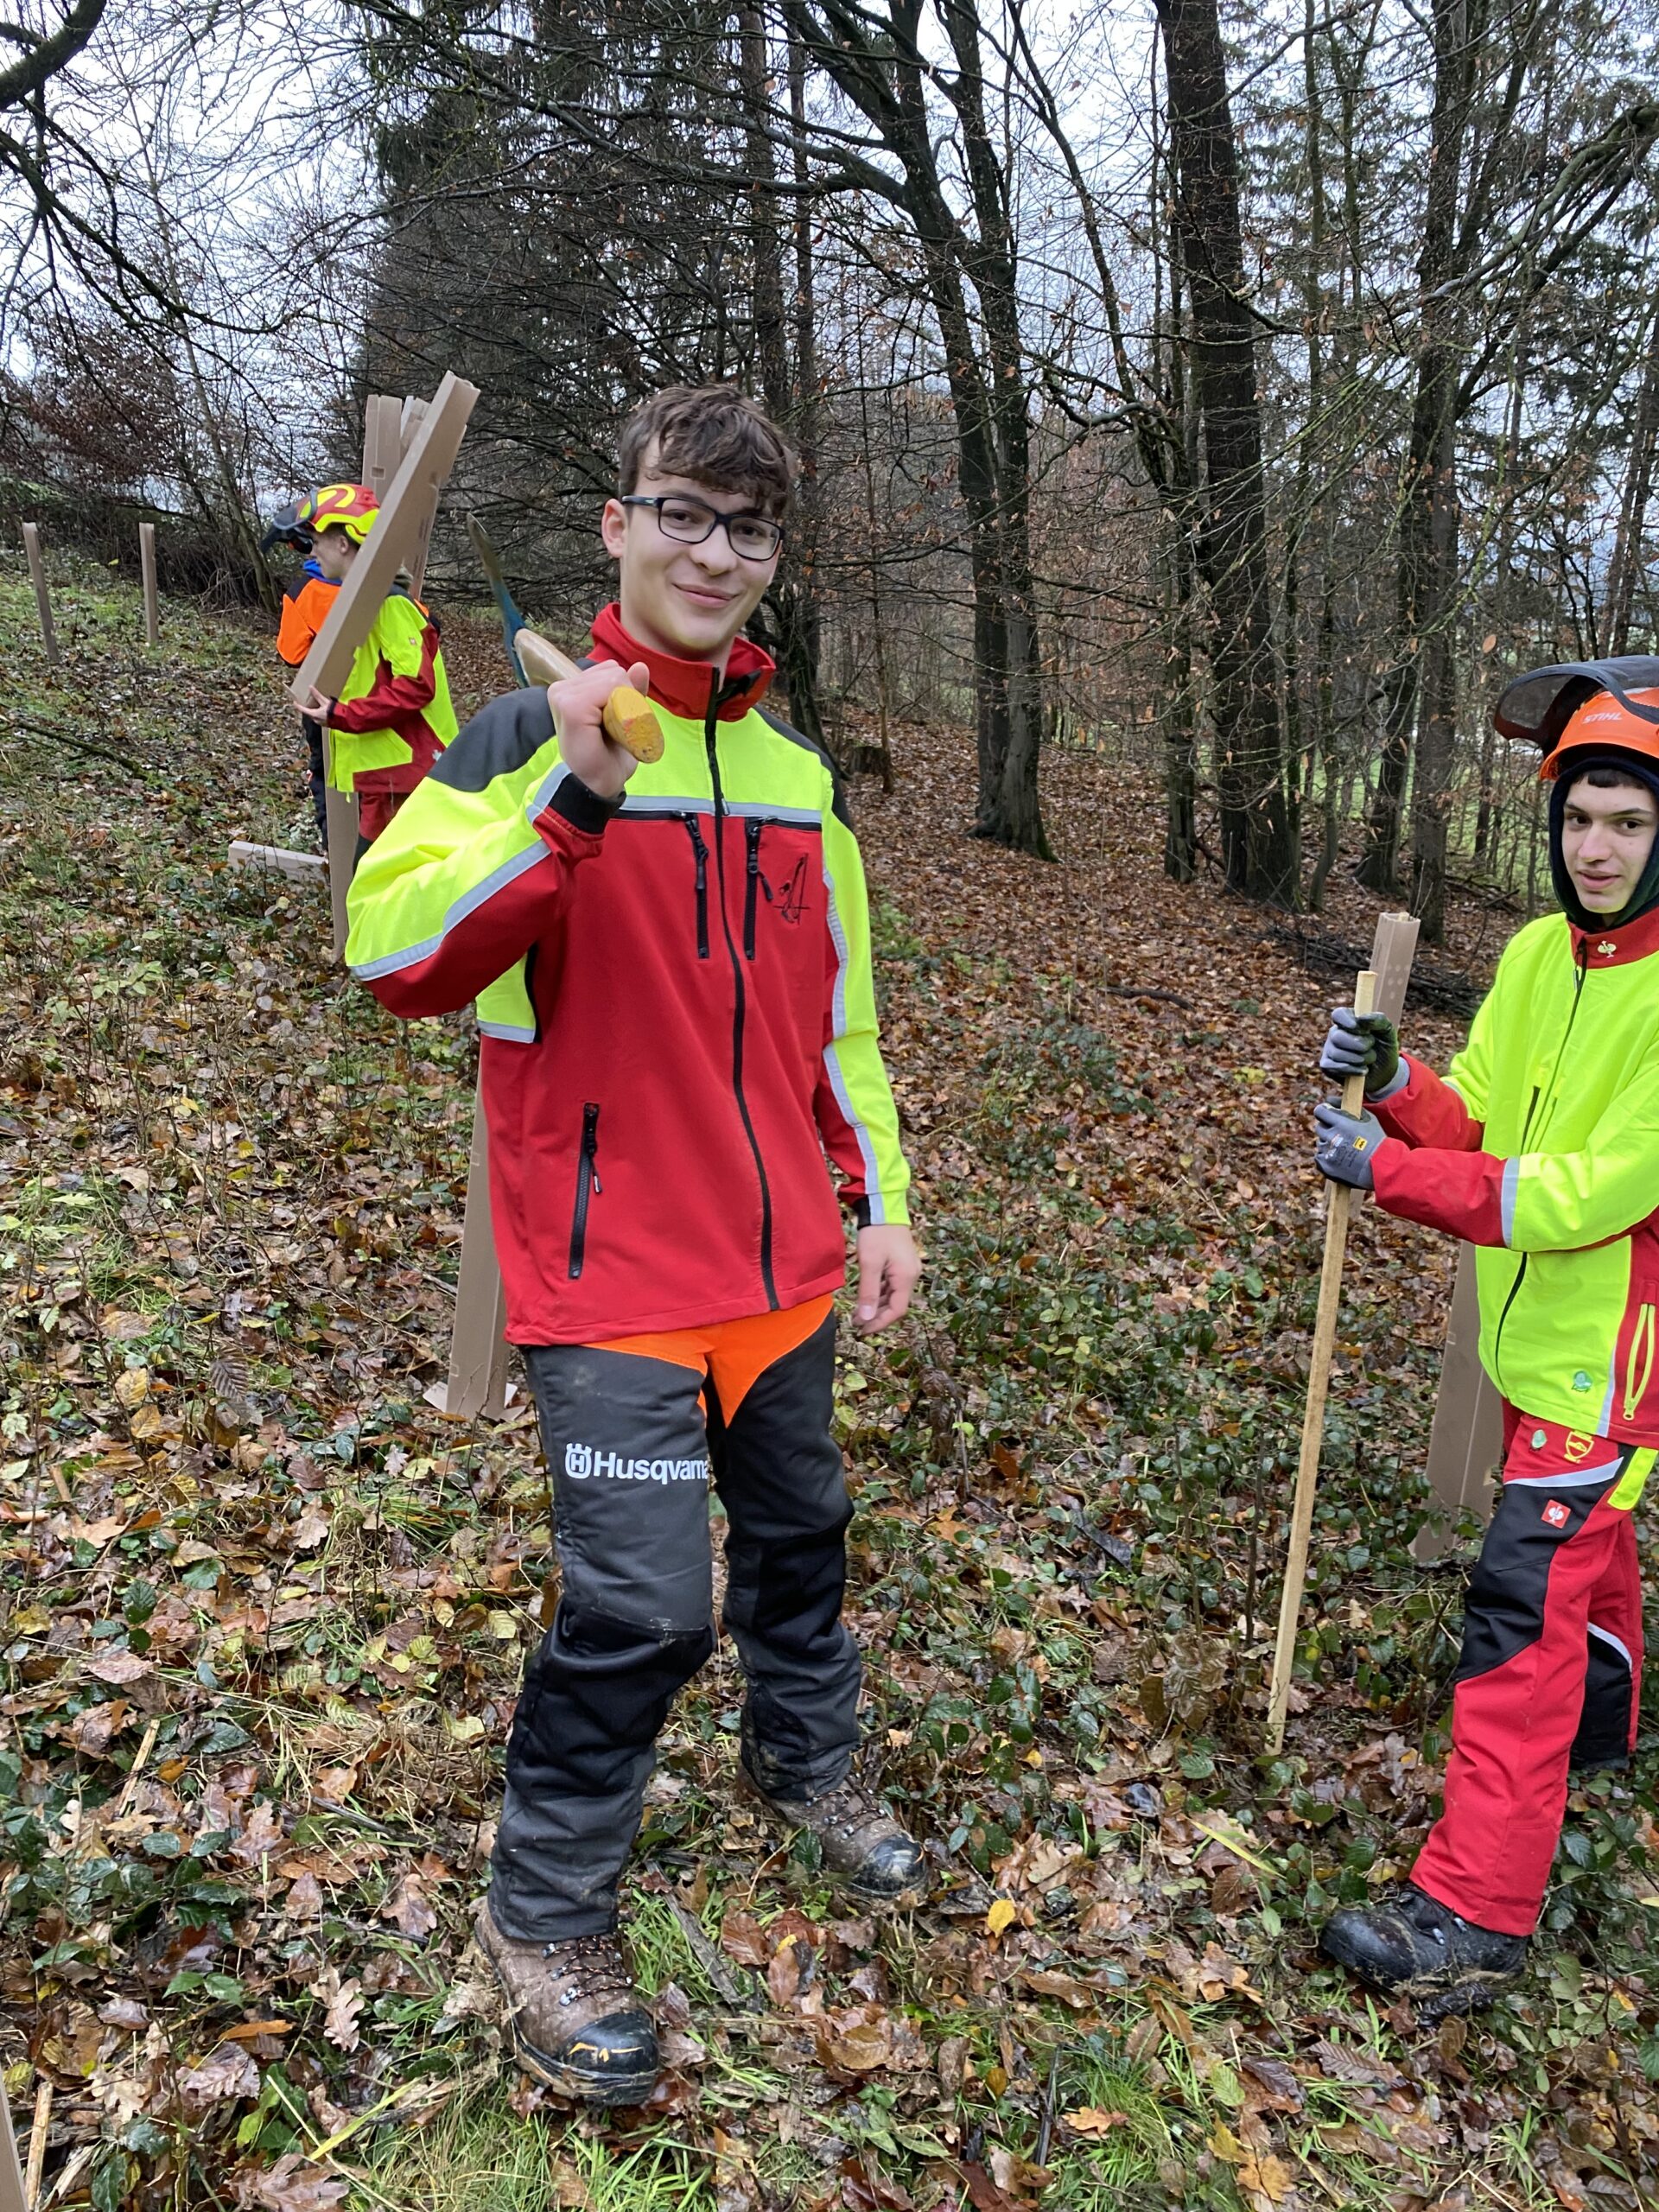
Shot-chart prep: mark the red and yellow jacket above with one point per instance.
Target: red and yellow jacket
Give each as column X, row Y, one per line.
column 394, row 716
column 676, row 996
column 1541, row 1147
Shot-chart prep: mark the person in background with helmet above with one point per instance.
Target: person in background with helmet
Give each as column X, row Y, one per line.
column 393, row 717
column 306, row 601
column 1541, row 1147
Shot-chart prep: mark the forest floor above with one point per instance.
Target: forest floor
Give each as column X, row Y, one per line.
column 262, row 1611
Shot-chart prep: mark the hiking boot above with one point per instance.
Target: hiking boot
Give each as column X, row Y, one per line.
column 1413, row 1945
column 862, row 1842
column 576, row 2019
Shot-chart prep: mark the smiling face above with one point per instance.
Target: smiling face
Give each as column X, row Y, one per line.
column 1607, row 834
column 689, row 600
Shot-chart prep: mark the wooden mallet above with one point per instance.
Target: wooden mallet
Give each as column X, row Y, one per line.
column 630, row 719
column 1338, row 1204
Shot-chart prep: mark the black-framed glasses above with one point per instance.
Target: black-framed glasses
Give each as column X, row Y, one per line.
column 752, row 538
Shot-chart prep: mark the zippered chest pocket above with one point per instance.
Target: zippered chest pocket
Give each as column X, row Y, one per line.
column 588, row 1187
column 754, row 883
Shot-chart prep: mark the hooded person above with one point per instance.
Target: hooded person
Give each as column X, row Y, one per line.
column 1541, row 1147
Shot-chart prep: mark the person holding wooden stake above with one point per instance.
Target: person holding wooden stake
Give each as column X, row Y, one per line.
column 671, row 964
column 393, row 717
column 1541, row 1147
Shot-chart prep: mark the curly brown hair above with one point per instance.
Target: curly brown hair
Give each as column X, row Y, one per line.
column 713, row 434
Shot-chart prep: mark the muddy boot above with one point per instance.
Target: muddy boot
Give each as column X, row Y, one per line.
column 576, row 2019
column 862, row 1843
column 1413, row 1945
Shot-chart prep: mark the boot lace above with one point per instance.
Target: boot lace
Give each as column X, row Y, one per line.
column 590, row 1967
column 845, row 1809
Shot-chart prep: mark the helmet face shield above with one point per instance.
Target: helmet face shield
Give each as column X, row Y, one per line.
column 1536, row 708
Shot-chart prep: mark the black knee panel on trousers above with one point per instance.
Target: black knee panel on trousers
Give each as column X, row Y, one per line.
column 596, row 1690
column 789, row 1592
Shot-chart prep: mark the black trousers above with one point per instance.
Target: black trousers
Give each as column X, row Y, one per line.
column 632, row 1442
column 313, row 776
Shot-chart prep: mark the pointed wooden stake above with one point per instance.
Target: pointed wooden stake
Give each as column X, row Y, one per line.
column 1391, row 958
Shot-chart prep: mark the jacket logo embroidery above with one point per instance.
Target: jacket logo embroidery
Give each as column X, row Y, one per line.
column 1576, row 1446
column 794, row 900
column 1556, row 1514
column 582, row 1463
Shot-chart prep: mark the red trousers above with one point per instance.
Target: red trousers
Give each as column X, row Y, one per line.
column 1550, row 1674
column 374, row 810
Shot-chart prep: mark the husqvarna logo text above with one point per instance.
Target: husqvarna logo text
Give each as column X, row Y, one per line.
column 583, row 1463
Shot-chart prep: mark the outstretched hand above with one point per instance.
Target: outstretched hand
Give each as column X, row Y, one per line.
column 888, row 1266
column 578, row 704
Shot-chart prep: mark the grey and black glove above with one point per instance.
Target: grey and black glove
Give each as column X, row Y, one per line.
column 1364, row 1043
column 1345, row 1145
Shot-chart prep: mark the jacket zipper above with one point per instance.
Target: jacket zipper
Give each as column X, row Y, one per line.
column 587, row 1184
column 710, row 728
column 752, row 839
column 1539, row 1091
column 701, row 852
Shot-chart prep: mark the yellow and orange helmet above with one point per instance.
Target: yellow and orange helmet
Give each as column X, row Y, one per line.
column 350, row 507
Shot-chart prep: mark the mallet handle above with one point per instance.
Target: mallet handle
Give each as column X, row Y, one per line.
column 630, row 719
column 1319, row 1384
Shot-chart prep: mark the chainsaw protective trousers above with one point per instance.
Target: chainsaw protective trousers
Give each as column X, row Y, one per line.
column 633, row 1431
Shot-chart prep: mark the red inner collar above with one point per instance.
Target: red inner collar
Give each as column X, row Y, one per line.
column 1614, row 948
column 684, row 686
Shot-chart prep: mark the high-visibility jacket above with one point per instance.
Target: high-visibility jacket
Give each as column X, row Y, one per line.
column 394, row 716
column 1541, row 1147
column 306, row 601
column 676, row 995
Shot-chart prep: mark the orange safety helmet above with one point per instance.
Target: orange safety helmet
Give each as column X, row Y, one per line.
column 350, row 507
column 1604, row 724
column 1585, row 706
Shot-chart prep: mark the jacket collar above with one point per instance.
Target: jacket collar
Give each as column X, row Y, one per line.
column 1617, row 947
column 684, row 686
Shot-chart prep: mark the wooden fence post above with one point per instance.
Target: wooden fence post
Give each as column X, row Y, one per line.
column 43, row 597
column 147, row 567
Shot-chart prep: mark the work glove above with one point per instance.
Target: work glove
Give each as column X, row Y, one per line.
column 1362, row 1044
column 1345, row 1145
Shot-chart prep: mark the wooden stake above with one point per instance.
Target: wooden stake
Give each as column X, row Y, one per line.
column 1380, row 989
column 38, row 2135
column 478, row 1347
column 147, row 566
column 12, row 2198
column 43, row 597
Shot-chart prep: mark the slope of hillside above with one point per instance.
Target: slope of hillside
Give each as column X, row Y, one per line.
column 265, row 1611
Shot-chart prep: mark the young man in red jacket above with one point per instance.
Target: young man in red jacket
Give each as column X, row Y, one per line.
column 671, row 966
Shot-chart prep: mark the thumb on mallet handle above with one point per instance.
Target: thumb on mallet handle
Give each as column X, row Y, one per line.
column 630, row 719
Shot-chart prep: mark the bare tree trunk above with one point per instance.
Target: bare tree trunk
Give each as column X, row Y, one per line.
column 789, row 599
column 1257, row 848
column 1615, row 632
